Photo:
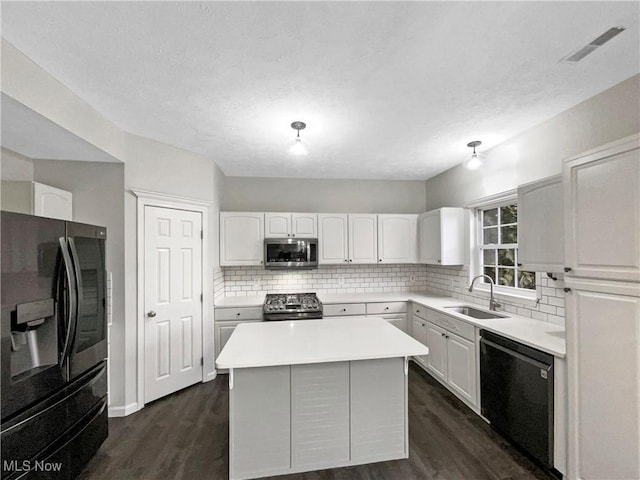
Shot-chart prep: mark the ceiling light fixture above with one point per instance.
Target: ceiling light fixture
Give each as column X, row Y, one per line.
column 298, row 147
column 473, row 162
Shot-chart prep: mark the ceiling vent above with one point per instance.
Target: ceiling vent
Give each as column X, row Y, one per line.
column 598, row 42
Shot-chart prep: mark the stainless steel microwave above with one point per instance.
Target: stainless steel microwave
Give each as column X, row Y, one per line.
column 296, row 253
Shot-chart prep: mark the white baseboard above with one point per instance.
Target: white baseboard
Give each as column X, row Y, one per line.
column 123, row 411
column 210, row 376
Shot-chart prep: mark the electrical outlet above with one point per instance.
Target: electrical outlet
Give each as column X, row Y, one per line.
column 412, row 279
column 341, row 280
column 256, row 283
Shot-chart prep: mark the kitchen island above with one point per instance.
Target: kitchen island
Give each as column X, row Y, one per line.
column 315, row 394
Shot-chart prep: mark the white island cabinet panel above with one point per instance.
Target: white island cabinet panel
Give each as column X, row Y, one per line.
column 327, row 400
column 259, row 425
column 319, row 415
column 378, row 430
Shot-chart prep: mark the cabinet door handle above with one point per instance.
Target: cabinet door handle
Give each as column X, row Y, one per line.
column 293, row 235
column 567, row 289
column 350, row 260
column 567, row 269
column 346, row 260
column 443, row 334
column 380, row 260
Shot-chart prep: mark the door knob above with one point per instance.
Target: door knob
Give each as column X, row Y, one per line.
column 151, row 314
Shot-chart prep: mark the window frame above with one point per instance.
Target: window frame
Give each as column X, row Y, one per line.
column 527, row 295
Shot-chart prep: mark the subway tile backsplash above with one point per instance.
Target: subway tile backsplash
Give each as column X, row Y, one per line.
column 239, row 281
column 450, row 281
column 454, row 282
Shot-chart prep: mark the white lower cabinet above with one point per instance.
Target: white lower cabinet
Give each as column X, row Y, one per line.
column 603, row 352
column 226, row 321
column 419, row 332
column 452, row 355
column 393, row 312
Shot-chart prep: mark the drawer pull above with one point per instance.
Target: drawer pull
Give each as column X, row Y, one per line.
column 344, row 309
column 386, row 308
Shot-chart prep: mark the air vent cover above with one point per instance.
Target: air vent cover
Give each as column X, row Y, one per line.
column 598, row 42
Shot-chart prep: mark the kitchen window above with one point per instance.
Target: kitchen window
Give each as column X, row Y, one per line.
column 498, row 250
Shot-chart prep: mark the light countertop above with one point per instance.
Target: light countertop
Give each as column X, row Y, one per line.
column 333, row 339
column 544, row 336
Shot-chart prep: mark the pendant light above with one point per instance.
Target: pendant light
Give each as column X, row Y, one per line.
column 298, row 147
column 473, row 162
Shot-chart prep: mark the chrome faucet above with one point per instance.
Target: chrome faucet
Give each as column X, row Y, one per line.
column 493, row 304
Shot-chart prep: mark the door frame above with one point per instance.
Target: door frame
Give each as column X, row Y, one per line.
column 162, row 200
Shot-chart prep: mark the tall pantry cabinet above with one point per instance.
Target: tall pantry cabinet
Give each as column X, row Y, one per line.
column 602, row 284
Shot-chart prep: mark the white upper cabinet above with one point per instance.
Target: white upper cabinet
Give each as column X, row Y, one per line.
column 333, row 238
column 602, row 212
column 344, row 238
column 38, row 199
column 304, row 225
column 397, row 241
column 442, row 237
column 290, row 225
column 241, row 238
column 541, row 225
column 363, row 238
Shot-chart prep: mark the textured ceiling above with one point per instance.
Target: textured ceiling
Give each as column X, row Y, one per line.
column 388, row 89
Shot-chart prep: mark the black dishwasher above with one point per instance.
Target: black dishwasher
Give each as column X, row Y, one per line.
column 516, row 392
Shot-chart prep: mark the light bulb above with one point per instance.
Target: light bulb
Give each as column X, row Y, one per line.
column 473, row 163
column 298, row 147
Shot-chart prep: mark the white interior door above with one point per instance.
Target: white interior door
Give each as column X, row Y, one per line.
column 173, row 300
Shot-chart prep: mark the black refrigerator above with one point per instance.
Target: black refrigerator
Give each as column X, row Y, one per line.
column 53, row 346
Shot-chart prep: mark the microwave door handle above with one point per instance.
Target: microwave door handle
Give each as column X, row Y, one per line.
column 78, row 275
column 71, row 306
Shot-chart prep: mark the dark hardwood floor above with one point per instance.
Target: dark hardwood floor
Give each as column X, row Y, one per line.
column 185, row 436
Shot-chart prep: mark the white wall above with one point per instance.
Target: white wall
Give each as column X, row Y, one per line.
column 156, row 167
column 538, row 152
column 323, row 195
column 14, row 166
column 148, row 165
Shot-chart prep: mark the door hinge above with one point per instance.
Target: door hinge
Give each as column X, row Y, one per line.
column 201, row 297
column 201, row 234
column 202, row 361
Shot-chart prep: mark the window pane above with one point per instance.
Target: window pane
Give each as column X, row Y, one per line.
column 489, row 256
column 506, row 276
column 490, row 235
column 509, row 234
column 507, row 257
column 491, row 271
column 490, row 217
column 509, row 214
column 527, row 280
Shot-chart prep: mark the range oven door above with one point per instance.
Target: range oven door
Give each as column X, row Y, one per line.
column 86, row 245
column 291, row 253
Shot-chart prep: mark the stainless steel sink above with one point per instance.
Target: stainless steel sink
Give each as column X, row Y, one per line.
column 475, row 313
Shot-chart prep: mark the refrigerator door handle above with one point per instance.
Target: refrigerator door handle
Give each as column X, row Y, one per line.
column 78, row 276
column 72, row 307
